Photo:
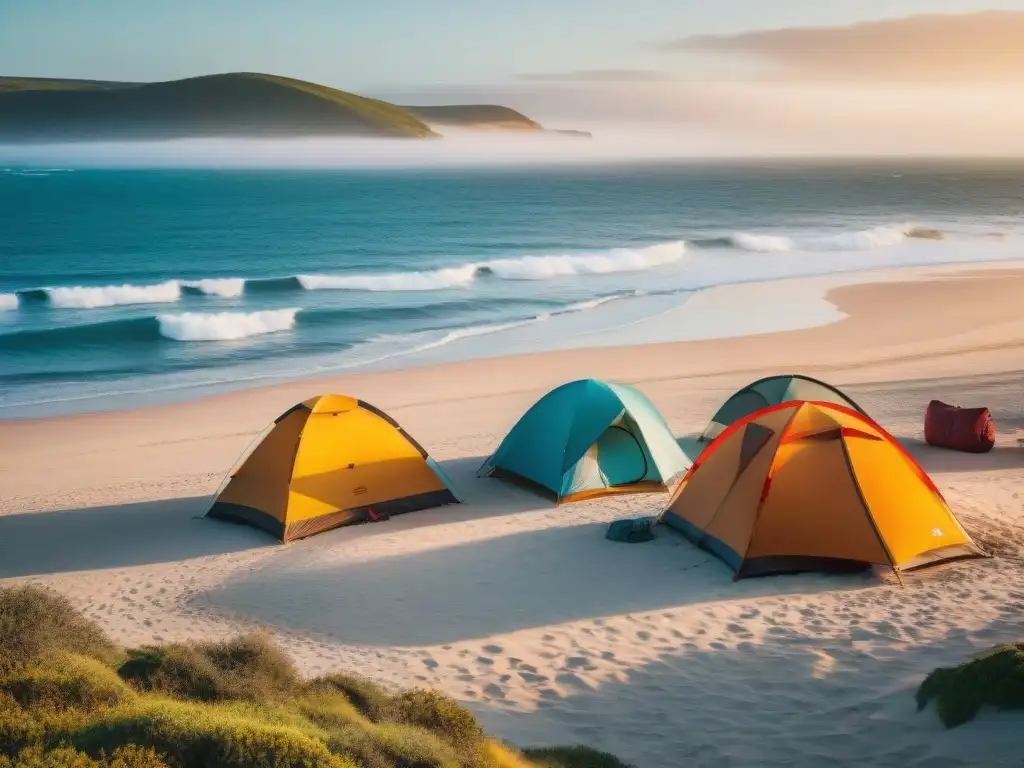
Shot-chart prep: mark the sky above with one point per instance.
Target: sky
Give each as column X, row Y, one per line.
column 377, row 45
column 689, row 76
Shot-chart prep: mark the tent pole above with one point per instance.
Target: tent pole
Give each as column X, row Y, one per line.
column 899, row 578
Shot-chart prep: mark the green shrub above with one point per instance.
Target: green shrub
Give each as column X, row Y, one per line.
column 132, row 756
column 66, row 681
column 249, row 668
column 572, row 757
column 437, row 713
column 328, row 709
column 18, row 728
column 391, row 745
column 35, row 622
column 190, row 735
column 215, row 705
column 995, row 679
column 174, row 669
column 369, row 698
column 35, row 757
column 65, row 757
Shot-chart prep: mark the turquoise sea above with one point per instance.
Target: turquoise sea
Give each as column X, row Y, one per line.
column 121, row 287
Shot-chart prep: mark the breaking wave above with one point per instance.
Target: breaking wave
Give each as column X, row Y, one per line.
column 89, row 297
column 540, row 267
column 233, row 325
column 223, row 326
column 862, row 240
column 433, row 280
column 225, row 287
column 565, row 265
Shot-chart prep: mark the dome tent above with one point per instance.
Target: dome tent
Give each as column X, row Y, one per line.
column 589, row 438
column 326, row 462
column 773, row 390
column 814, row 486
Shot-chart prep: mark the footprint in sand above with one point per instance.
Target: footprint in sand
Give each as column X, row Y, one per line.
column 572, row 681
column 738, row 629
column 532, row 677
column 643, row 636
column 494, row 691
column 493, row 649
column 429, row 663
column 577, row 662
column 485, row 661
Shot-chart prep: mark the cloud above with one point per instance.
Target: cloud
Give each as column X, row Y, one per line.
column 602, row 76
column 935, row 48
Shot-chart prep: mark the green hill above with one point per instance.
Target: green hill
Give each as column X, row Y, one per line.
column 238, row 105
column 476, row 115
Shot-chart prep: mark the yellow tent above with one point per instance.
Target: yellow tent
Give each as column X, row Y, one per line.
column 326, row 462
column 814, row 486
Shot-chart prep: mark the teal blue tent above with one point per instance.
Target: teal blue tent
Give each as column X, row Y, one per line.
column 589, row 438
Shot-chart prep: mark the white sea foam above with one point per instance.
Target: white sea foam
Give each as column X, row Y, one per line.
column 220, row 326
column 537, row 267
column 91, row 297
column 565, row 265
column 862, row 240
column 225, row 287
column 761, row 243
column 8, row 301
column 433, row 280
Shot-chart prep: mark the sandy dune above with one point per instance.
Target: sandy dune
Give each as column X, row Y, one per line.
column 551, row 633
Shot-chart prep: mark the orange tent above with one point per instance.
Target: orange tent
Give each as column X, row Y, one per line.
column 806, row 486
column 330, row 461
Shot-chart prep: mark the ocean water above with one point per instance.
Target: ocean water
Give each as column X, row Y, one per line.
column 121, row 287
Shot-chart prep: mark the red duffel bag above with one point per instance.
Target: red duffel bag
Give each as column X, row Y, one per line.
column 962, row 429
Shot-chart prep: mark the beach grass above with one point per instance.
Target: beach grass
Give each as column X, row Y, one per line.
column 70, row 698
column 995, row 679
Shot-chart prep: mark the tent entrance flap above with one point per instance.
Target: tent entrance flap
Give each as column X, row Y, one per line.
column 621, row 457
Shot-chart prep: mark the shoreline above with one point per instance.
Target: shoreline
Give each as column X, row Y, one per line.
column 892, row 326
column 808, row 299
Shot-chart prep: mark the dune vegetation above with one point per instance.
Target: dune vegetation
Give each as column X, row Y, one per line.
column 70, row 698
column 994, row 679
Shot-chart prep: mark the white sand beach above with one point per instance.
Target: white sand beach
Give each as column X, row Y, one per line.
column 549, row 632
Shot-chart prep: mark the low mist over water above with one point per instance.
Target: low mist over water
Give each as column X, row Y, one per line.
column 635, row 121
